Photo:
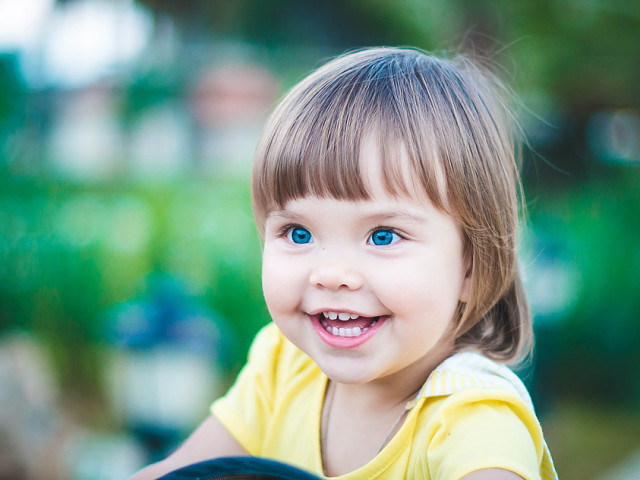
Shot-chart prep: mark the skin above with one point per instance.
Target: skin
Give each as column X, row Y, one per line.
column 399, row 260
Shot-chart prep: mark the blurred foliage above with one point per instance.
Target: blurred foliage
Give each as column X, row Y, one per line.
column 586, row 441
column 13, row 92
column 68, row 251
column 578, row 51
column 12, row 102
column 152, row 88
column 593, row 344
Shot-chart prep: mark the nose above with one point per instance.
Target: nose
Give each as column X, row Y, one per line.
column 334, row 276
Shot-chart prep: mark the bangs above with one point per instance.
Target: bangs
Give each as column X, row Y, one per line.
column 312, row 143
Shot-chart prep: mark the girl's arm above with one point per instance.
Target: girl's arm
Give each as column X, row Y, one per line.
column 492, row 474
column 210, row 440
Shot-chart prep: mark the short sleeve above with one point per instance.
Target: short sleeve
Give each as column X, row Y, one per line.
column 246, row 408
column 496, row 431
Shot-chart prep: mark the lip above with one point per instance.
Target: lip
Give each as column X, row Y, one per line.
column 319, row 311
column 345, row 342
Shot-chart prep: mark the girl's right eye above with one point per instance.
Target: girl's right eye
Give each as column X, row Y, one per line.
column 299, row 235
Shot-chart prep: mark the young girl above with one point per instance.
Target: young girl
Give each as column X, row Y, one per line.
column 385, row 189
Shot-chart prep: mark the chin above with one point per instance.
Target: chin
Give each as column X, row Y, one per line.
column 347, row 372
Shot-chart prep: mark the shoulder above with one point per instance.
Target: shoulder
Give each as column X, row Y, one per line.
column 469, row 377
column 273, row 354
column 485, row 428
column 482, row 412
column 472, row 387
column 267, row 340
column 268, row 383
column 473, row 370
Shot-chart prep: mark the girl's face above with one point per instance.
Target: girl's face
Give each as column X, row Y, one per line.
column 368, row 289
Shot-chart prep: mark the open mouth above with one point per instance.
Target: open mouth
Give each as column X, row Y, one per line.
column 343, row 324
column 344, row 329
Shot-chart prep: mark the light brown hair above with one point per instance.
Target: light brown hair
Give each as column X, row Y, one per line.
column 452, row 118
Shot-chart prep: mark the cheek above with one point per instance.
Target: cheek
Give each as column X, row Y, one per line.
column 429, row 289
column 270, row 278
column 279, row 283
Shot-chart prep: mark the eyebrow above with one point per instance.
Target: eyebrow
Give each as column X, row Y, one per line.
column 281, row 213
column 375, row 216
column 396, row 215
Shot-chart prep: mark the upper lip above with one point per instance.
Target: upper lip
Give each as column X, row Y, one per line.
column 352, row 313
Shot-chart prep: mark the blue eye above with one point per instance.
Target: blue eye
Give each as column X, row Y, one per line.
column 383, row 237
column 300, row 235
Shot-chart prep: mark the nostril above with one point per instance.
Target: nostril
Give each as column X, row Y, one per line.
column 335, row 278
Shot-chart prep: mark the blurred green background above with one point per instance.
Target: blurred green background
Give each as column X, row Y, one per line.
column 129, row 263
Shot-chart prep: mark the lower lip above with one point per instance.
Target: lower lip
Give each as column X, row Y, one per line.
column 345, row 342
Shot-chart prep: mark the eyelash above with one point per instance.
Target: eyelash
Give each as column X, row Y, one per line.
column 382, row 228
column 286, row 230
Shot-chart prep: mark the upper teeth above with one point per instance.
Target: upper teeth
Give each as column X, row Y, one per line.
column 340, row 315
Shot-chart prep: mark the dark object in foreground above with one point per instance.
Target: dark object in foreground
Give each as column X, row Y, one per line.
column 239, row 468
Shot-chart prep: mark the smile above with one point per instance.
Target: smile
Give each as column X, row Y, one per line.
column 343, row 329
column 352, row 325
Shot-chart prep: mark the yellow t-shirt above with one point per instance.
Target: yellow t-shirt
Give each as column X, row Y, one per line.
column 471, row 414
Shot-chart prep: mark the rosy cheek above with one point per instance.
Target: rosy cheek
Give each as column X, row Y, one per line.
column 276, row 289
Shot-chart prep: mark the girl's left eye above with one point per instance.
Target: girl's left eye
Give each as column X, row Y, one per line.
column 383, row 236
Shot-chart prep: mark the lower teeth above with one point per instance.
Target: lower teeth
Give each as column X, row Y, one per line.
column 346, row 332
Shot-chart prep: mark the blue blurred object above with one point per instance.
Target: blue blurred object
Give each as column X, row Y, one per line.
column 164, row 367
column 165, row 314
